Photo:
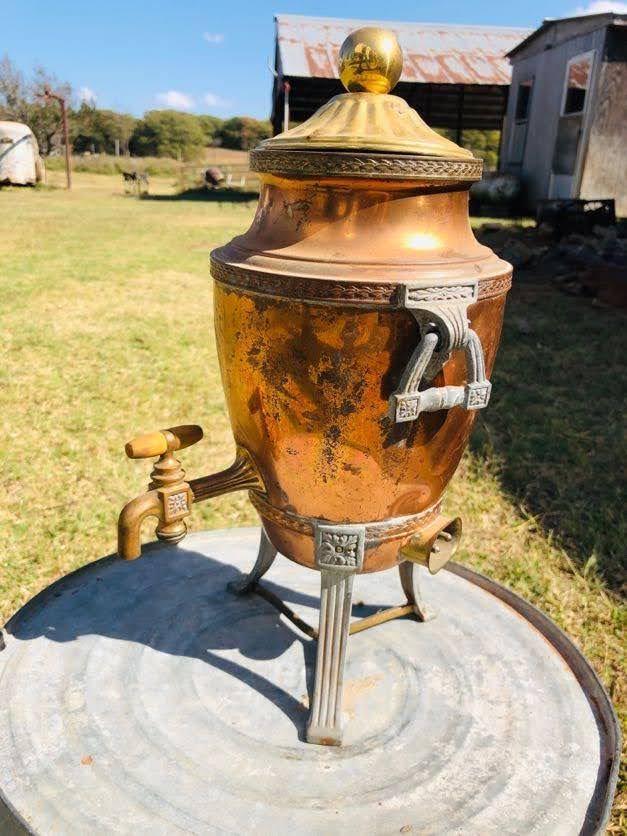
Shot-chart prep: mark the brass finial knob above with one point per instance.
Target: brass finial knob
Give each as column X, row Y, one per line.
column 371, row 61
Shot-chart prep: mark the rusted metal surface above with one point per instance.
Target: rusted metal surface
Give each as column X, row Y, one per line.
column 167, row 706
column 433, row 52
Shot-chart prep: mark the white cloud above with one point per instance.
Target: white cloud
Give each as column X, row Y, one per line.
column 598, row 7
column 213, row 37
column 175, row 99
column 86, row 94
column 211, row 100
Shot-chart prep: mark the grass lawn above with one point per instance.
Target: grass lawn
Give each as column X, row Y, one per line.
column 105, row 309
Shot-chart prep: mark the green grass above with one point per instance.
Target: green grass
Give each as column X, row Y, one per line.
column 105, row 306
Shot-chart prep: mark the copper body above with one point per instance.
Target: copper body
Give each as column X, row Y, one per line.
column 307, row 382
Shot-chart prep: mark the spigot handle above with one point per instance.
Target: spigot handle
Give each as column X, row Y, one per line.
column 157, row 443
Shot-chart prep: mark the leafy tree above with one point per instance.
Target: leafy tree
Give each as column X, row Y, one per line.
column 483, row 144
column 93, row 129
column 13, row 91
column 43, row 117
column 243, row 132
column 22, row 101
column 210, row 126
column 168, row 133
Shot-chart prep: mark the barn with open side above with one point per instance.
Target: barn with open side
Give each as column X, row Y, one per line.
column 455, row 76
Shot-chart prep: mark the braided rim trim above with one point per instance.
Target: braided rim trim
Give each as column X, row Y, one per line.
column 329, row 291
column 376, row 532
column 338, row 164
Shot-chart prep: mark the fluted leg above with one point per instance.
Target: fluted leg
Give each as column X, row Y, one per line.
column 325, row 720
column 265, row 559
column 408, row 572
column 339, row 555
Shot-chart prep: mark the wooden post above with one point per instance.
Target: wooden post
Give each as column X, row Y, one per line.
column 286, row 105
column 48, row 94
column 460, row 116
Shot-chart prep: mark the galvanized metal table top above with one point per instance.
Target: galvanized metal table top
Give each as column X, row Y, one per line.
column 143, row 698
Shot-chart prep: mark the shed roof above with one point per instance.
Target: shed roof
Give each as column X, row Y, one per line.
column 433, row 53
column 572, row 26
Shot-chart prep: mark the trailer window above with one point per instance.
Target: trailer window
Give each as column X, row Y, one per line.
column 578, row 72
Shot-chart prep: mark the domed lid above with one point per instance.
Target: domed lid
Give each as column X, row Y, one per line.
column 367, row 122
column 370, row 132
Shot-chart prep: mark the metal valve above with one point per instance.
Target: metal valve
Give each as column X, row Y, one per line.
column 169, row 496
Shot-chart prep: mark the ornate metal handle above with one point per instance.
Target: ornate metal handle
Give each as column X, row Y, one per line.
column 442, row 314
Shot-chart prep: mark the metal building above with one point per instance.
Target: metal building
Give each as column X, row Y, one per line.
column 455, row 76
column 565, row 131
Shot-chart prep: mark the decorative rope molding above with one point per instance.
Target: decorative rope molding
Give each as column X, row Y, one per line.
column 376, row 532
column 368, row 294
column 338, row 164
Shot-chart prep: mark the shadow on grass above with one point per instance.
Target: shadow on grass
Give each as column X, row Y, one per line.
column 208, row 195
column 556, row 422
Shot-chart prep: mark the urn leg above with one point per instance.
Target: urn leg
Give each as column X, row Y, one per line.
column 325, row 720
column 339, row 556
column 411, row 587
column 265, row 559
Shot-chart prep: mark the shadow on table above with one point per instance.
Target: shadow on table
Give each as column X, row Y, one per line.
column 141, row 602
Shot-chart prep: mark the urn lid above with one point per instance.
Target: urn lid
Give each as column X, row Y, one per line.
column 366, row 132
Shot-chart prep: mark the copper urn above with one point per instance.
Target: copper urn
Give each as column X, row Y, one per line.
column 357, row 322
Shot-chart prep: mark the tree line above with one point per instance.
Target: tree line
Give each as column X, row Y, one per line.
column 158, row 133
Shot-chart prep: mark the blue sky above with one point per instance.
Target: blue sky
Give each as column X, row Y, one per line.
column 208, row 57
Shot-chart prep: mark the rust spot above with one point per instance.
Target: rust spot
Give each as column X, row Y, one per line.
column 87, row 760
column 354, row 689
column 351, row 468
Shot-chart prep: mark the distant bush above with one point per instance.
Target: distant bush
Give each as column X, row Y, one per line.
column 483, row 144
column 243, row 132
column 168, row 133
column 96, row 130
column 108, row 164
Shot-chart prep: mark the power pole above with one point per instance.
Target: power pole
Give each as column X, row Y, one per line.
column 48, row 95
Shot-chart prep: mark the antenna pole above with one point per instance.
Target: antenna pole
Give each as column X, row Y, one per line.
column 48, row 95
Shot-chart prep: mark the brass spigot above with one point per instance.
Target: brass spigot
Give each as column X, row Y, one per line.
column 435, row 544
column 169, row 496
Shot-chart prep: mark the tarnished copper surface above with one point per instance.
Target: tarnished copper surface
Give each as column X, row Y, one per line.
column 352, row 324
column 313, row 340
column 307, row 389
column 360, row 231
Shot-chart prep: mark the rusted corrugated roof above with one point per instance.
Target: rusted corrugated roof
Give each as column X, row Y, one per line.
column 436, row 53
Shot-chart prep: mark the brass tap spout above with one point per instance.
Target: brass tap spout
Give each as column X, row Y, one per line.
column 170, row 497
column 130, row 522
